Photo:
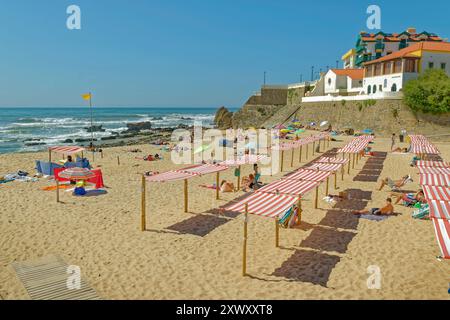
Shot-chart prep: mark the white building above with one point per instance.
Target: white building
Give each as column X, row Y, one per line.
column 343, row 81
column 391, row 72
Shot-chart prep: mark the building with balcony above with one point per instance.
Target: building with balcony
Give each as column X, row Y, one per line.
column 391, row 72
column 372, row 46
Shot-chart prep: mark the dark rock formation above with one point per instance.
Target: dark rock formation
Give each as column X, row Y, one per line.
column 68, row 141
column 139, row 126
column 224, row 118
column 95, row 129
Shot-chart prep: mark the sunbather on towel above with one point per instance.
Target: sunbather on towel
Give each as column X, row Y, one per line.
column 409, row 198
column 395, row 184
column 226, row 186
column 387, row 210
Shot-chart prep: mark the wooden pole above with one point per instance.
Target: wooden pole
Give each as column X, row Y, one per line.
column 343, row 172
column 143, row 205
column 292, row 157
column 307, row 147
column 57, row 190
column 353, row 161
column 300, row 155
column 101, row 153
column 317, row 198
column 282, row 160
column 328, row 185
column 349, row 163
column 277, row 234
column 299, row 209
column 185, row 196
column 239, row 178
column 118, row 160
column 314, row 148
column 49, row 155
column 217, row 186
column 335, row 180
column 244, row 249
column 319, row 145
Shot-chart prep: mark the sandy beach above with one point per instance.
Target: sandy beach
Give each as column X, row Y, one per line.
column 197, row 255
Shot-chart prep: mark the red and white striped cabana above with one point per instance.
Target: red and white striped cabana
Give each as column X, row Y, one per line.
column 65, row 150
column 439, row 209
column 424, row 149
column 434, row 170
column 263, row 204
column 436, row 193
column 442, row 230
column 435, row 180
column 433, row 164
column 332, row 160
column 308, row 175
column 332, row 167
column 243, row 160
column 177, row 175
column 293, row 187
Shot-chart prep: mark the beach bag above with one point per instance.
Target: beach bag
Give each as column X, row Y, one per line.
column 422, row 213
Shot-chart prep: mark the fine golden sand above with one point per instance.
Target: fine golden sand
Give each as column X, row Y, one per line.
column 198, row 255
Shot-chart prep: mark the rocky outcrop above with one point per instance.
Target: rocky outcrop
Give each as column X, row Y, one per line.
column 95, row 129
column 223, row 118
column 139, row 126
column 254, row 115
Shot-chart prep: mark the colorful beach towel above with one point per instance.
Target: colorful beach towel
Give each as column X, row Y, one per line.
column 373, row 217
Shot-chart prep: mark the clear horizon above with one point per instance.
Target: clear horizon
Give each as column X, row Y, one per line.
column 177, row 53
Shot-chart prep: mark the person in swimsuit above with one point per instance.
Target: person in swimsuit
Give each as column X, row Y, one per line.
column 387, row 210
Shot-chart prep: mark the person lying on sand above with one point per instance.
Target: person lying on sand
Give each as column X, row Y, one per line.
column 400, row 150
column 409, row 198
column 387, row 210
column 395, row 184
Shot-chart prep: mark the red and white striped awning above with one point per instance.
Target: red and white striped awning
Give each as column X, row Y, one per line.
column 442, row 230
column 418, row 138
column 204, row 169
column 170, row 176
column 67, row 149
column 439, row 209
column 435, row 180
column 294, row 187
column 424, row 149
column 243, row 160
column 436, row 193
column 434, row 170
column 354, row 148
column 308, row 175
column 332, row 160
column 333, row 167
column 434, row 164
column 264, row 204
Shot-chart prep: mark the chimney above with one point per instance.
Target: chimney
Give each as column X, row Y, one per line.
column 411, row 30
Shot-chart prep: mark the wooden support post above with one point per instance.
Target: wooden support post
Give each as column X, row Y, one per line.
column 328, row 185
column 349, row 163
column 143, row 204
column 307, row 147
column 335, row 180
column 317, row 198
column 49, row 155
column 244, row 249
column 217, row 185
column 292, row 157
column 185, row 195
column 319, row 145
column 118, row 160
column 343, row 171
column 101, row 153
column 277, row 234
column 299, row 209
column 314, row 148
column 353, row 161
column 300, row 154
column 57, row 190
column 282, row 160
column 239, row 179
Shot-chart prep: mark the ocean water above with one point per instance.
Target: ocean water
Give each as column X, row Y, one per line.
column 20, row 127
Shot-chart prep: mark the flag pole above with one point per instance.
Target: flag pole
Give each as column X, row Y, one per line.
column 92, row 126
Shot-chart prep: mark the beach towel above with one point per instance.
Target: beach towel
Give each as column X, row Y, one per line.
column 6, row 181
column 422, row 213
column 53, row 188
column 213, row 187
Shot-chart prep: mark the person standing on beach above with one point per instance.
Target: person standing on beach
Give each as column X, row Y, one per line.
column 393, row 141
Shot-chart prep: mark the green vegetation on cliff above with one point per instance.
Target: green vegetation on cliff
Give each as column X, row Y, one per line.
column 430, row 93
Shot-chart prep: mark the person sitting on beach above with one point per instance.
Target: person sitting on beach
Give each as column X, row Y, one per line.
column 157, row 157
column 387, row 210
column 69, row 159
column 248, row 183
column 226, row 186
column 409, row 199
column 395, row 184
column 400, row 150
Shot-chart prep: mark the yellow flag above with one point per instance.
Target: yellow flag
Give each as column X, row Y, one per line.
column 87, row 96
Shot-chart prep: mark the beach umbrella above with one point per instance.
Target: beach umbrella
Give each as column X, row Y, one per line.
column 312, row 124
column 77, row 174
column 285, row 130
column 323, row 123
column 299, row 131
column 201, row 149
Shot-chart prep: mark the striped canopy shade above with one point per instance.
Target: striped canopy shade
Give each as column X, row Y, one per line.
column 435, row 180
column 434, row 170
column 433, row 164
column 332, row 160
column 437, row 193
column 170, row 176
column 442, row 230
column 77, row 174
column 264, row 204
column 440, row 209
column 203, row 169
column 67, row 149
column 324, row 167
column 308, row 175
column 247, row 159
column 294, row 187
column 424, row 149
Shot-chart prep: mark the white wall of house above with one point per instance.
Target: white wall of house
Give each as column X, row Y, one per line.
column 387, row 82
column 334, row 83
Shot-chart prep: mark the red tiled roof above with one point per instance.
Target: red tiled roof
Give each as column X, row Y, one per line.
column 406, row 52
column 355, row 74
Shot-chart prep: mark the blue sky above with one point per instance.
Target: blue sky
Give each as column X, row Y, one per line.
column 202, row 53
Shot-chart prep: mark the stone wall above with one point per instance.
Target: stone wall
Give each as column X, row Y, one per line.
column 271, row 96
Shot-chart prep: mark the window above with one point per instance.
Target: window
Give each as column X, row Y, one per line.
column 374, row 89
column 398, row 66
column 410, row 65
column 430, row 65
column 378, row 69
column 380, row 88
column 385, row 83
column 443, row 66
column 329, row 81
column 394, row 88
column 369, row 90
